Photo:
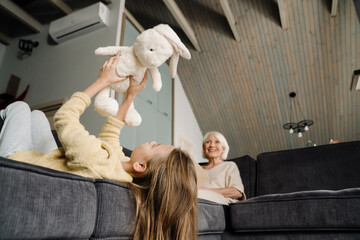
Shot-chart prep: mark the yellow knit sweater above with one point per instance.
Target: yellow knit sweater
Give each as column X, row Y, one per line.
column 82, row 154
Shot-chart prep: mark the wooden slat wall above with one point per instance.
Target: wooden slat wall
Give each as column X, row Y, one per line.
column 241, row 88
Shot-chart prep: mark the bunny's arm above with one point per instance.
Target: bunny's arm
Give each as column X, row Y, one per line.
column 110, row 50
column 156, row 78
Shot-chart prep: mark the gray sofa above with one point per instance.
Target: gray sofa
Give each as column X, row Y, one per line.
column 309, row 193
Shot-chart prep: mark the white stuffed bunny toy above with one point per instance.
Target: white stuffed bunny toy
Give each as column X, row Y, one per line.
column 151, row 49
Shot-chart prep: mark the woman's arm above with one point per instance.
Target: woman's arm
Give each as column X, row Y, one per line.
column 230, row 180
column 229, row 192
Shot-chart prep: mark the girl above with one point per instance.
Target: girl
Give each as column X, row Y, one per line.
column 162, row 178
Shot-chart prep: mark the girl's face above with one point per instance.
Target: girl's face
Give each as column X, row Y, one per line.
column 212, row 147
column 145, row 152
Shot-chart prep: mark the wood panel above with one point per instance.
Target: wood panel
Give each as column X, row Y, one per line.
column 240, row 88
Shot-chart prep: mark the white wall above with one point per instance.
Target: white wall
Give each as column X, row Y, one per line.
column 57, row 71
column 185, row 124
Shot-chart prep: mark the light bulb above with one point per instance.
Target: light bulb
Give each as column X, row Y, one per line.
column 291, row 131
column 300, row 135
column 306, row 128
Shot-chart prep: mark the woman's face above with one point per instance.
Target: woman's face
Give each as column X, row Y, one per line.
column 145, row 152
column 212, row 147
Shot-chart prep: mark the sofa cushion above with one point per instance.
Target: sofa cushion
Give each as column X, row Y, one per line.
column 211, row 218
column 116, row 210
column 308, row 210
column 40, row 203
column 247, row 168
column 331, row 167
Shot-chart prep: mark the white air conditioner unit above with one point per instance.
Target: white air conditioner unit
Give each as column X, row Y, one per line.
column 80, row 22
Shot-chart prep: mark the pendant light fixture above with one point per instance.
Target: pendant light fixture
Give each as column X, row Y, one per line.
column 293, row 126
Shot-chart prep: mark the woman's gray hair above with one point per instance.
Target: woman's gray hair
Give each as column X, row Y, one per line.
column 222, row 140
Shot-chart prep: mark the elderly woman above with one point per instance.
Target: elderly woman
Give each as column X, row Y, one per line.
column 225, row 185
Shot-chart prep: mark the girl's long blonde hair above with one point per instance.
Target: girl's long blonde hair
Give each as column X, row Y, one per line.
column 166, row 199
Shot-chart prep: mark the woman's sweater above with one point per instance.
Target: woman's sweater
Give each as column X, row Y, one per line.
column 81, row 153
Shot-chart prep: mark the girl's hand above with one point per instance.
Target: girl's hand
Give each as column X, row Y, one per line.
column 134, row 89
column 108, row 74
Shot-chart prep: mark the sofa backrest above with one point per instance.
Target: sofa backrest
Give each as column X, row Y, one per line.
column 247, row 168
column 327, row 167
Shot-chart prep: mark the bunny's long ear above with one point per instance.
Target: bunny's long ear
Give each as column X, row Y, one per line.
column 167, row 32
column 173, row 64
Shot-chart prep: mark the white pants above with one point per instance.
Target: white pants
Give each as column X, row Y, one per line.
column 24, row 129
